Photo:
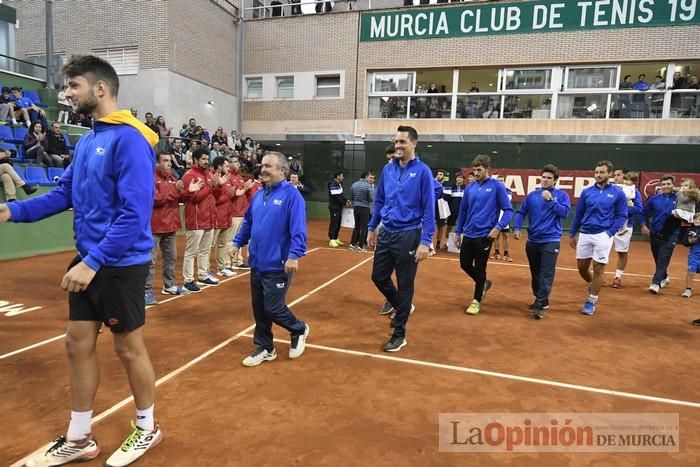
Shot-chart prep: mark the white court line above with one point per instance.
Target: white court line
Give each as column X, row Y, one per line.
column 176, row 297
column 525, row 379
column 196, row 360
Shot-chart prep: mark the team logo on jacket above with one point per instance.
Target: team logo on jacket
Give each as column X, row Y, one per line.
column 277, row 202
column 610, row 195
column 100, row 151
column 281, row 285
column 413, row 174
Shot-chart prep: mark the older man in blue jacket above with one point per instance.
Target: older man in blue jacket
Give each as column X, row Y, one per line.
column 274, row 228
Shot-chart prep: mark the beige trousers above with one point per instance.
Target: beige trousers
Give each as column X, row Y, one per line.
column 197, row 243
column 10, row 181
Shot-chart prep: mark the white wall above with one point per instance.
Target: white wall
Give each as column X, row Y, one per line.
column 178, row 98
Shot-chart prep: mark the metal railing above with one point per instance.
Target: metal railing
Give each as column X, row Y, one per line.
column 257, row 9
column 22, row 67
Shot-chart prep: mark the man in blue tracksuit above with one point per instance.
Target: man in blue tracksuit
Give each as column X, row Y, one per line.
column 275, row 226
column 110, row 186
column 404, row 203
column 478, row 225
column 545, row 209
column 662, row 231
column 600, row 213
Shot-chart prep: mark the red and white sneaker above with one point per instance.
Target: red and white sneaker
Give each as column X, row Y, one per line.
column 135, row 446
column 61, row 451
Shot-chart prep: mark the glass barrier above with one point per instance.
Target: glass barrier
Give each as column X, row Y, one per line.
column 685, row 104
column 637, row 104
column 582, row 105
column 478, row 106
column 527, row 106
column 388, row 107
column 431, row 106
column 23, row 67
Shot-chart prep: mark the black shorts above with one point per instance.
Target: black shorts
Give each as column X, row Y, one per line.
column 116, row 296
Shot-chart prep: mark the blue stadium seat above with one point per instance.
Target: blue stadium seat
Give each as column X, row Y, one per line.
column 34, row 96
column 6, row 134
column 55, row 173
column 67, row 139
column 20, row 133
column 36, row 175
column 20, row 171
column 12, row 148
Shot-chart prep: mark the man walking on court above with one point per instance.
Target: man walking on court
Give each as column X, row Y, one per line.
column 662, row 230
column 545, row 209
column 110, row 186
column 362, row 192
column 404, row 204
column 479, row 224
column 600, row 213
column 336, row 203
column 627, row 182
column 275, row 226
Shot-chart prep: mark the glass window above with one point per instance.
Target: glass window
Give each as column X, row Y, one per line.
column 254, row 88
column 592, row 78
column 285, row 86
column 473, row 80
column 527, row 106
column 479, row 106
column 582, row 105
column 634, row 104
column 387, row 107
column 434, row 81
column 392, row 82
column 328, row 86
column 125, row 60
column 528, row 79
column 428, row 106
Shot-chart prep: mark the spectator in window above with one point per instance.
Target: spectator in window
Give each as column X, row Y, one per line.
column 36, row 146
column 10, row 180
column 163, row 129
column 29, row 110
column 641, row 84
column 475, row 87
column 56, row 146
column 659, row 84
column 693, row 82
column 7, row 106
column 323, row 6
column 626, row 83
column 433, row 89
column 624, row 101
column 678, row 81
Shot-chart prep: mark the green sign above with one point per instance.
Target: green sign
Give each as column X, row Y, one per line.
column 526, row 17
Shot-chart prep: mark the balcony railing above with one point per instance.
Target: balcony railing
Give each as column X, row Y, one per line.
column 22, row 67
column 678, row 104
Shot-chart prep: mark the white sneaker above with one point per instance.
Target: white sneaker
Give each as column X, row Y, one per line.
column 654, row 288
column 687, row 293
column 664, row 283
column 135, row 446
column 61, row 451
column 258, row 356
column 209, row 280
column 299, row 344
column 226, row 272
column 413, row 308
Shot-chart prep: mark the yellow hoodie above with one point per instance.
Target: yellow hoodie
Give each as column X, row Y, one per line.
column 124, row 117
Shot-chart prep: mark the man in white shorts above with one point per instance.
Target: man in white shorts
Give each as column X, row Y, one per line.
column 627, row 181
column 600, row 213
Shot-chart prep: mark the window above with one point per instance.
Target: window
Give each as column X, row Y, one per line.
column 392, row 82
column 124, row 60
column 591, row 78
column 253, row 88
column 328, row 86
column 285, row 86
column 528, row 79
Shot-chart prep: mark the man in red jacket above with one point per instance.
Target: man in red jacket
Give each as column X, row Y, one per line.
column 239, row 206
column 165, row 223
column 200, row 212
column 223, row 232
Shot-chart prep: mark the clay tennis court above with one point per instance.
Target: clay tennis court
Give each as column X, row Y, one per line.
column 345, row 402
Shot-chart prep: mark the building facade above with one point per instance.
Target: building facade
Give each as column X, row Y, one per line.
column 175, row 58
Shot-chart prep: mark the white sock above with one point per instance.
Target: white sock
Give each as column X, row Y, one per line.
column 593, row 299
column 79, row 426
column 618, row 273
column 14, row 121
column 144, row 419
